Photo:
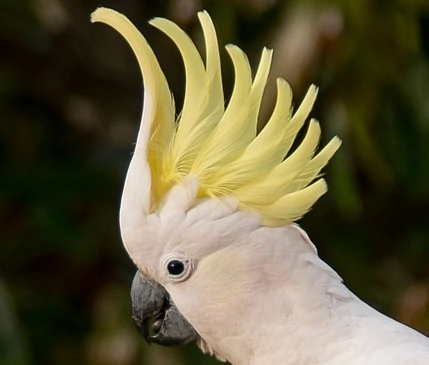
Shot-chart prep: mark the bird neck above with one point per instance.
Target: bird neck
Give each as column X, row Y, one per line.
column 290, row 313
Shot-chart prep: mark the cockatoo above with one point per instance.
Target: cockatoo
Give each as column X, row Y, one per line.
column 208, row 216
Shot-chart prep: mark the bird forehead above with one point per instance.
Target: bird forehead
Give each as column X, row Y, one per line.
column 208, row 225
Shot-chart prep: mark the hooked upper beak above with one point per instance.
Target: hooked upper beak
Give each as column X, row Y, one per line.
column 156, row 316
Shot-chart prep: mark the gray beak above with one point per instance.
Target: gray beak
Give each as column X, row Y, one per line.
column 156, row 316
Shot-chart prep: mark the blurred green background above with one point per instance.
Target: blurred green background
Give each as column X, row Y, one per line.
column 70, row 100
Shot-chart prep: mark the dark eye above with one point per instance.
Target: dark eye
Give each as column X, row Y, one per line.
column 175, row 267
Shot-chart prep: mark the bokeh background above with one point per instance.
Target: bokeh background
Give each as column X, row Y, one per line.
column 70, row 100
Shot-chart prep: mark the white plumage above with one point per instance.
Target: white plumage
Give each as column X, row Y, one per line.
column 261, row 295
column 222, row 201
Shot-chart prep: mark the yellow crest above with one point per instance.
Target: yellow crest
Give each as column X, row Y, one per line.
column 219, row 145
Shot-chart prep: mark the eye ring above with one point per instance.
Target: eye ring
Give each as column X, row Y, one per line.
column 177, row 266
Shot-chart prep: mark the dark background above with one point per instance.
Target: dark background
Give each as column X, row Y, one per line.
column 70, row 100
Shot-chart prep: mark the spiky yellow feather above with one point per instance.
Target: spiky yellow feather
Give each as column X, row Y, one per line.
column 218, row 144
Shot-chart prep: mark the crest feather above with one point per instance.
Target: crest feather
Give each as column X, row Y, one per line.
column 220, row 147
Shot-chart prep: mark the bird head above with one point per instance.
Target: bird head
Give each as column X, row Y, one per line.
column 208, row 207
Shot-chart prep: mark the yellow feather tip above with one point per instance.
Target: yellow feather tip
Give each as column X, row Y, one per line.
column 219, row 144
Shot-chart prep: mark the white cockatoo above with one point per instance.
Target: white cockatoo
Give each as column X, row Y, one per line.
column 207, row 216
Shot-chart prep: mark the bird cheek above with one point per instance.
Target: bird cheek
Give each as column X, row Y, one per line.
column 218, row 284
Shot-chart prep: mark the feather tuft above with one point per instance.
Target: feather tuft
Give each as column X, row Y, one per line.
column 219, row 145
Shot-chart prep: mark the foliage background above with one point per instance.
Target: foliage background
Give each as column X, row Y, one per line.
column 70, row 99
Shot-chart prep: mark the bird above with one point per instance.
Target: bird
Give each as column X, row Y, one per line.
column 209, row 215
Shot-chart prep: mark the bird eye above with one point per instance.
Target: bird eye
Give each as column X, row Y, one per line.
column 178, row 267
column 175, row 267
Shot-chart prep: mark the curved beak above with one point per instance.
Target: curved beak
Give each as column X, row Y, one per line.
column 156, row 316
